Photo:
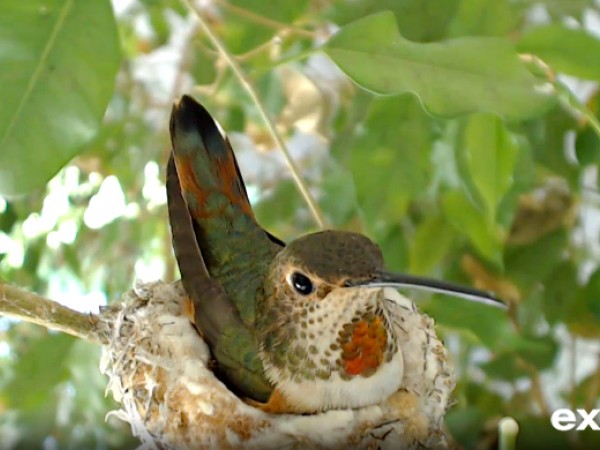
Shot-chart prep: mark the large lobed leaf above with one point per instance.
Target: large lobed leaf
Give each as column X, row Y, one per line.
column 451, row 77
column 59, row 59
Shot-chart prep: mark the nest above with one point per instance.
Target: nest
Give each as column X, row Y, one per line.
column 160, row 373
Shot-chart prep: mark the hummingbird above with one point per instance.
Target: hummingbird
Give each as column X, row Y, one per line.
column 303, row 327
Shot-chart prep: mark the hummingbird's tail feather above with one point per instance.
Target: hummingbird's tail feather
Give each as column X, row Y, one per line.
column 195, row 276
column 205, row 162
column 235, row 248
column 214, row 312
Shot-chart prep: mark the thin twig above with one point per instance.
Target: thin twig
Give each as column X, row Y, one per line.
column 567, row 98
column 536, row 386
column 265, row 20
column 572, row 103
column 538, row 392
column 245, row 82
column 20, row 304
column 262, row 48
column 594, row 387
column 573, row 370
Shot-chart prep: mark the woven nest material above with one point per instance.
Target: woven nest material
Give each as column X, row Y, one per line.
column 159, row 371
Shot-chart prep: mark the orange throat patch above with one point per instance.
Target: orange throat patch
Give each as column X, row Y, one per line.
column 363, row 345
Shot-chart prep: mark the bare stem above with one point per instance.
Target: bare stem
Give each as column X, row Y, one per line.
column 573, row 370
column 265, row 20
column 594, row 387
column 20, row 304
column 536, row 387
column 245, row 82
column 564, row 94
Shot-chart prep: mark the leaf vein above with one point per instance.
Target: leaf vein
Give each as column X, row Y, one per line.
column 37, row 72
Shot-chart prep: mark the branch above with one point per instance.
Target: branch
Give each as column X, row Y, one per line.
column 265, row 21
column 20, row 304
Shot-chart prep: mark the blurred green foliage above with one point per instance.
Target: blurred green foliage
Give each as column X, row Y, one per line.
column 474, row 167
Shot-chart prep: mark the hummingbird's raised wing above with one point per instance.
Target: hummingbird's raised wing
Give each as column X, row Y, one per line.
column 215, row 314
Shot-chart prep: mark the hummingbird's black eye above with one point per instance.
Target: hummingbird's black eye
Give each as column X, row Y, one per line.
column 301, row 283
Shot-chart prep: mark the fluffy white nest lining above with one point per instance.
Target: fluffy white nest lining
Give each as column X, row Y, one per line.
column 159, row 370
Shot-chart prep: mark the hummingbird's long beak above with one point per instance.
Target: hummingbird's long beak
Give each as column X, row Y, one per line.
column 400, row 280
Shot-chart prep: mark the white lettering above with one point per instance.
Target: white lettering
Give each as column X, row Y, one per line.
column 588, row 419
column 563, row 419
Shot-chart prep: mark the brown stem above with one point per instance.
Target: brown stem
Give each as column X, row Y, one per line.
column 536, row 386
column 594, row 388
column 265, row 21
column 20, row 304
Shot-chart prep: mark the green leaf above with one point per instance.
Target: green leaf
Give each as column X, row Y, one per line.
column 38, row 370
column 338, row 197
column 465, row 425
column 528, row 264
column 394, row 246
column 378, row 204
column 565, row 301
column 491, row 154
column 419, row 20
column 561, row 291
column 572, row 51
column 390, row 159
column 429, row 245
column 592, row 294
column 522, row 181
column 468, row 220
column 538, row 351
column 504, row 367
column 484, row 18
column 590, row 438
column 59, row 60
column 547, row 138
column 489, row 325
column 537, row 432
column 486, row 400
column 283, row 212
column 8, row 218
column 456, row 76
column 587, row 147
column 202, row 67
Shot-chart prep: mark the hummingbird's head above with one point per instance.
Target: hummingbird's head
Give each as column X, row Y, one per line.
column 314, row 265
